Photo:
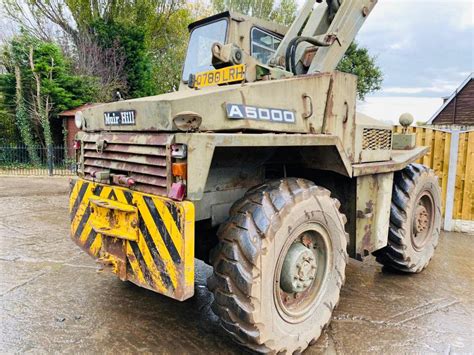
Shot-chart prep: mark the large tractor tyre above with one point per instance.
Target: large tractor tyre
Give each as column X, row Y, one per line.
column 279, row 266
column 415, row 220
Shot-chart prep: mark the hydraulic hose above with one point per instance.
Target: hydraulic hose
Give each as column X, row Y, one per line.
column 290, row 55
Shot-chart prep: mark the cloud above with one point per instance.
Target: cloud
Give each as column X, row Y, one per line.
column 466, row 16
column 390, row 108
column 441, row 89
column 424, row 47
column 402, row 14
column 405, row 43
column 436, row 86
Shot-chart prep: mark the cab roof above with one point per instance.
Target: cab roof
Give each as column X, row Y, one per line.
column 268, row 25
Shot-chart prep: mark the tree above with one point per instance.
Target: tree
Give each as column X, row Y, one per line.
column 358, row 61
column 130, row 42
column 107, row 64
column 38, row 80
column 21, row 115
column 131, row 39
column 7, row 123
column 74, row 17
column 168, row 51
column 283, row 13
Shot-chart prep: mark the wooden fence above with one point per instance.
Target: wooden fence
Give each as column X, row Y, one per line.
column 450, row 148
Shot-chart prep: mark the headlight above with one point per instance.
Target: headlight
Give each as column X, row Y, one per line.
column 179, row 151
column 78, row 119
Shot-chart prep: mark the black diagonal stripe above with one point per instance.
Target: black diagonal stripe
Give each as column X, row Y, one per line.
column 72, row 185
column 84, row 220
column 79, row 198
column 160, row 225
column 112, row 196
column 174, row 212
column 90, row 239
column 98, row 190
column 141, row 262
column 128, row 197
column 160, row 265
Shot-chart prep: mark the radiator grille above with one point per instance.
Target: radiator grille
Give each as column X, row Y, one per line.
column 376, row 139
column 143, row 157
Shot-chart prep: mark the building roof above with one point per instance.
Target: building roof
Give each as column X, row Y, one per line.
column 73, row 111
column 451, row 98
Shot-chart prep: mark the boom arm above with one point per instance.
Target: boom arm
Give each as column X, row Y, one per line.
column 320, row 35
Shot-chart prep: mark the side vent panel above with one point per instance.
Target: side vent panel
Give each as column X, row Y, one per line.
column 376, row 139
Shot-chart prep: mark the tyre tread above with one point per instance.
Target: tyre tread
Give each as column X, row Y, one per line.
column 235, row 261
column 396, row 254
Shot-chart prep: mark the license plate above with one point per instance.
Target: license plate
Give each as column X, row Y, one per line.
column 119, row 118
column 220, row 76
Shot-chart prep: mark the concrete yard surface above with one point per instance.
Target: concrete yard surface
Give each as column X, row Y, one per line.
column 53, row 299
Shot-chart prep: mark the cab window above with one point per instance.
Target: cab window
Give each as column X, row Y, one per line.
column 199, row 55
column 263, row 44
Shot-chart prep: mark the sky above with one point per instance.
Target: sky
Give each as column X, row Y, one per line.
column 425, row 50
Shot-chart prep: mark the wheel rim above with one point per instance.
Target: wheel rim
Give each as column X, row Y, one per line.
column 422, row 220
column 301, row 273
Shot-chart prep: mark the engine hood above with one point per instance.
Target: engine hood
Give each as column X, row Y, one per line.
column 306, row 104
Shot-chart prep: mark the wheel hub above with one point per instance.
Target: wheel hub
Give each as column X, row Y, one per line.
column 299, row 269
column 302, row 271
column 422, row 219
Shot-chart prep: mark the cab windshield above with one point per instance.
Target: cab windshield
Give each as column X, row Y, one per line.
column 199, row 55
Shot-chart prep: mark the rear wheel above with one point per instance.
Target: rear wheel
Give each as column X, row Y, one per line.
column 279, row 266
column 415, row 220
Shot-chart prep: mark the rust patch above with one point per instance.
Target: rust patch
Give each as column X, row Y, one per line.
column 365, row 244
column 329, row 105
column 143, row 157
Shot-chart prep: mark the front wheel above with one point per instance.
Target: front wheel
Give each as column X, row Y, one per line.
column 415, row 220
column 279, row 266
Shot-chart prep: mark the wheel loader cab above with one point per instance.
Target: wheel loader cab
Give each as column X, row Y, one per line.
column 256, row 37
